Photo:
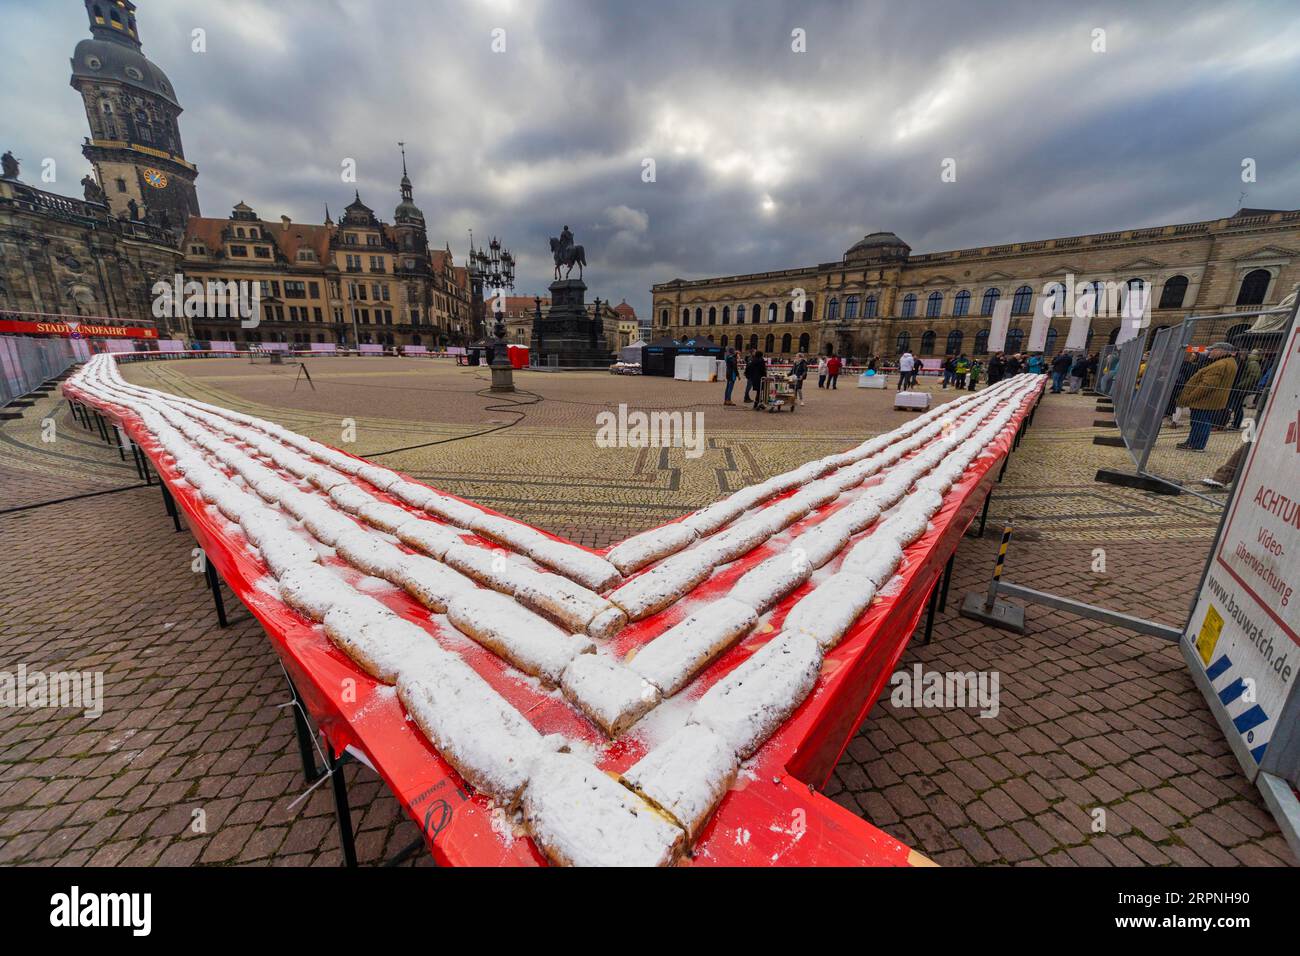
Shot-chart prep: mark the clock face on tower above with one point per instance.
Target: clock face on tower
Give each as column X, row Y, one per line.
column 155, row 178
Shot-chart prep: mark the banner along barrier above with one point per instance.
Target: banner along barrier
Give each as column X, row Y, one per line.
column 1243, row 638
column 769, row 817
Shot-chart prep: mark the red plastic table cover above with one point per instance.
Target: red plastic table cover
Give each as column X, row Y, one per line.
column 773, row 815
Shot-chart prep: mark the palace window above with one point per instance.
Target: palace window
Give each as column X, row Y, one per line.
column 832, row 309
column 740, row 316
column 726, row 315
column 982, row 342
column 771, row 315
column 933, row 305
column 1254, row 288
column 294, row 289
column 239, row 251
column 904, row 342
column 789, row 311
column 1020, row 301
column 1014, row 338
column 699, row 316
column 927, row 342
column 954, row 342
column 1135, row 296
column 261, row 252
column 803, row 342
column 909, row 305
column 991, row 297
column 851, row 307
column 769, row 344
column 961, row 304
column 1175, row 290
column 713, row 315
column 869, row 312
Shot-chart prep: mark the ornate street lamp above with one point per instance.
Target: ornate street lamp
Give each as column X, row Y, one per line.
column 493, row 269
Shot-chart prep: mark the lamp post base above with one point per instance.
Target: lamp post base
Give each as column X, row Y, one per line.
column 503, row 378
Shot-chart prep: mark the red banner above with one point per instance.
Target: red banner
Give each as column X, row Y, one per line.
column 85, row 330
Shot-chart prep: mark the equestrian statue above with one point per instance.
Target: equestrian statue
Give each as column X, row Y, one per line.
column 567, row 254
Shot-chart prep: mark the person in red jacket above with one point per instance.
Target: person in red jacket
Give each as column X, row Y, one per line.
column 832, row 370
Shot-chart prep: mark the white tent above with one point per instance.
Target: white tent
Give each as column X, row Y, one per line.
column 631, row 353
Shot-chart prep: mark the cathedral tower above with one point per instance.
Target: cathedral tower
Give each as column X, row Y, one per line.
column 135, row 141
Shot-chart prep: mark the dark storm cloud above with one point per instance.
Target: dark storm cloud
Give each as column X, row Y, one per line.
column 765, row 158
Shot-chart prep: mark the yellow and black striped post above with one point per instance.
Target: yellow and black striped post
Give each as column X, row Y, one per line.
column 997, row 568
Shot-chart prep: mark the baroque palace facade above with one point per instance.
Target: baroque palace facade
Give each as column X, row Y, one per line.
column 138, row 223
column 882, row 300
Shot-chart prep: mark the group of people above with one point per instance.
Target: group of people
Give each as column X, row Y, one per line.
column 1213, row 388
column 961, row 372
column 754, row 366
column 1071, row 372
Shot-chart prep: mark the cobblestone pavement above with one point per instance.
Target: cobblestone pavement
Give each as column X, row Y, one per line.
column 194, row 761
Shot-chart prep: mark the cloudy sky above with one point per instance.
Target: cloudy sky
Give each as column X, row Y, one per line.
column 764, row 157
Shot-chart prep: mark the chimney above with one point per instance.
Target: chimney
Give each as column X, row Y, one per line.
column 284, row 223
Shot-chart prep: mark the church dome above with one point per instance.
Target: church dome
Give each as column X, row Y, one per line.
column 111, row 60
column 878, row 245
column 407, row 210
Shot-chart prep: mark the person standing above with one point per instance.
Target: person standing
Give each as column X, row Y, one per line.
column 973, row 376
column 799, row 372
column 1060, row 368
column 906, row 366
column 749, row 382
column 833, row 371
column 1206, row 393
column 755, row 372
column 821, row 371
column 1078, row 373
column 995, row 368
column 947, row 367
column 733, row 373
column 960, row 369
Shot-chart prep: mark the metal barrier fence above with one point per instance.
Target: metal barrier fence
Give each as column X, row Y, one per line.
column 1185, row 412
column 28, row 362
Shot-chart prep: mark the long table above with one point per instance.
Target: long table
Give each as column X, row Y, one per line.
column 773, row 815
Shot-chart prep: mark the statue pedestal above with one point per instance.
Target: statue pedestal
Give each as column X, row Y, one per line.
column 567, row 336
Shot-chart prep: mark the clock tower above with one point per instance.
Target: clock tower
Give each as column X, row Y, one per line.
column 135, row 140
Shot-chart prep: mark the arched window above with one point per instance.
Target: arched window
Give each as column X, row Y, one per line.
column 982, row 342
column 804, row 342
column 954, row 343
column 991, row 297
column 789, row 311
column 934, row 305
column 753, row 342
column 961, row 304
column 927, row 342
column 771, row 312
column 832, row 309
column 904, row 342
column 1254, row 287
column 785, row 344
column 769, row 343
column 1014, row 338
column 699, row 316
column 686, row 316
column 740, row 315
column 851, row 307
column 1172, row 295
column 869, row 312
column 724, row 341
column 909, row 305
column 1020, row 301
column 1135, row 296
column 726, row 315
column 663, row 316
column 1049, row 348
column 1056, row 294
column 808, row 310
column 713, row 315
